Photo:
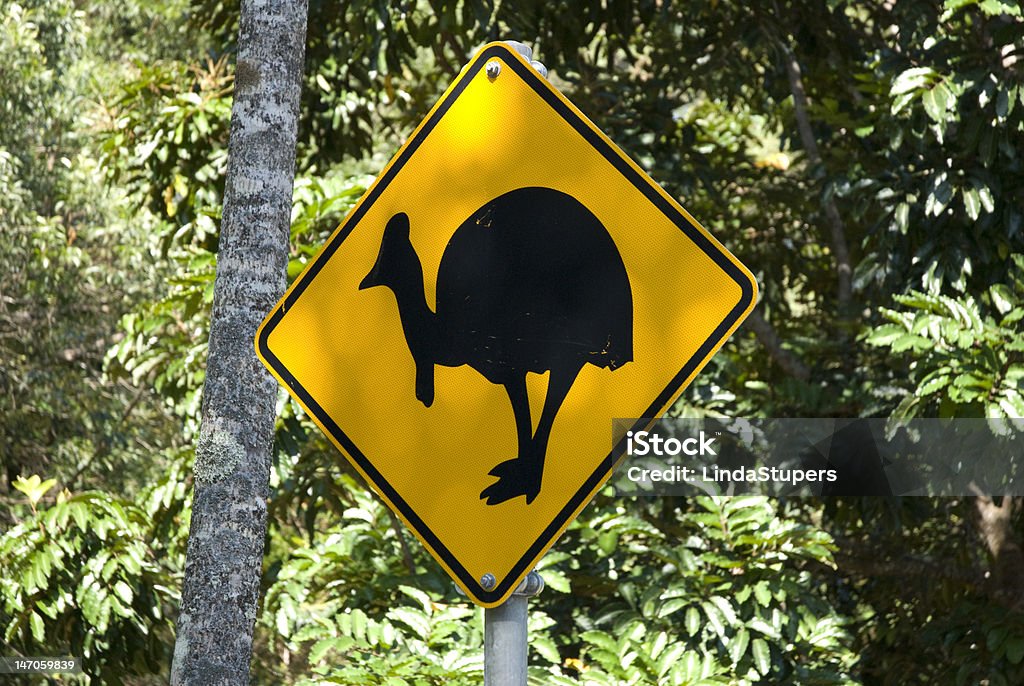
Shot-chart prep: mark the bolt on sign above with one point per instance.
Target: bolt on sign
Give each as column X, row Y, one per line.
column 509, row 284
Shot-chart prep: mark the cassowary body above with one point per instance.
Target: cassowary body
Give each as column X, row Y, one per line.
column 530, row 282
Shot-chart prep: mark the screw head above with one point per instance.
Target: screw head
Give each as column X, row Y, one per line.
column 532, row 585
column 488, row 581
column 493, row 69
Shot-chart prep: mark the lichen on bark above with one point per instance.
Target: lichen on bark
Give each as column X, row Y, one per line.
column 222, row 455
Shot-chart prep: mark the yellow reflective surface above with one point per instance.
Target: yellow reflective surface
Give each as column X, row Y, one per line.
column 346, row 349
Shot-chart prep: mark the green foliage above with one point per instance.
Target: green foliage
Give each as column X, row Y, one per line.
column 164, row 342
column 372, row 68
column 167, row 146
column 353, row 605
column 113, row 133
column 69, row 271
column 909, row 573
column 423, row 642
column 39, row 40
column 962, row 363
column 34, row 488
column 955, row 104
column 94, row 575
column 723, row 593
column 972, row 643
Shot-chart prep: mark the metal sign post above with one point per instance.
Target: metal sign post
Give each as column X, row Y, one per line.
column 505, row 642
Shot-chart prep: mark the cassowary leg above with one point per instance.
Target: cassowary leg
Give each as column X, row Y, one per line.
column 559, row 383
column 511, row 473
column 520, row 400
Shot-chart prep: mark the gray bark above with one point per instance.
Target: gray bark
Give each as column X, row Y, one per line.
column 232, row 468
column 996, row 522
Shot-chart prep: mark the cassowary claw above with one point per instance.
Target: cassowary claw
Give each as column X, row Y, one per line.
column 515, row 478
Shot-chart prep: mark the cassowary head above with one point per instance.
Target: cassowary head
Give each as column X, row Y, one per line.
column 395, row 254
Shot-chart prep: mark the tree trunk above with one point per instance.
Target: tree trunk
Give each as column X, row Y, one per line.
column 997, row 524
column 837, row 230
column 232, row 467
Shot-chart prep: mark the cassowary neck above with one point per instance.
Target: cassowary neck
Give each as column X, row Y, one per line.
column 419, row 323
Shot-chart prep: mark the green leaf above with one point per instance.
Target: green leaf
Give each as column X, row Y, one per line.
column 913, row 79
column 546, row 648
column 691, row 665
column 601, row 640
column 762, row 656
column 418, row 595
column 671, row 605
column 954, row 5
column 995, row 638
column 606, row 541
column 972, row 380
column 281, row 623
column 692, row 621
column 995, row 8
column 669, row 658
column 359, row 621
column 760, row 625
column 937, row 101
column 715, row 618
column 762, row 593
column 124, row 592
column 743, row 594
column 412, row 618
column 1015, row 650
column 939, row 197
column 885, row 335
column 340, row 644
column 80, row 513
column 902, row 217
column 33, row 487
column 38, row 629
column 660, row 641
column 1002, row 104
column 933, row 385
column 725, row 607
column 738, row 645
column 901, row 101
column 972, row 203
column 1012, row 404
column 556, row 580
column 985, row 195
column 1002, row 297
column 911, row 342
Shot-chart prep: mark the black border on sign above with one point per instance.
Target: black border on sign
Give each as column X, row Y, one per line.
column 642, row 182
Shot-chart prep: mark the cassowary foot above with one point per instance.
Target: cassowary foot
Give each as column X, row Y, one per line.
column 516, row 477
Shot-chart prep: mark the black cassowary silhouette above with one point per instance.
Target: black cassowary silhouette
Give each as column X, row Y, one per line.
column 530, row 282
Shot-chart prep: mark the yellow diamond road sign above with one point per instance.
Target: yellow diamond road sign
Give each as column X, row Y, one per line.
column 509, row 285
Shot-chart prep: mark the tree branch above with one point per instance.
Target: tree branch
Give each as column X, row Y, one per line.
column 904, row 567
column 766, row 335
column 837, row 230
column 396, row 526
